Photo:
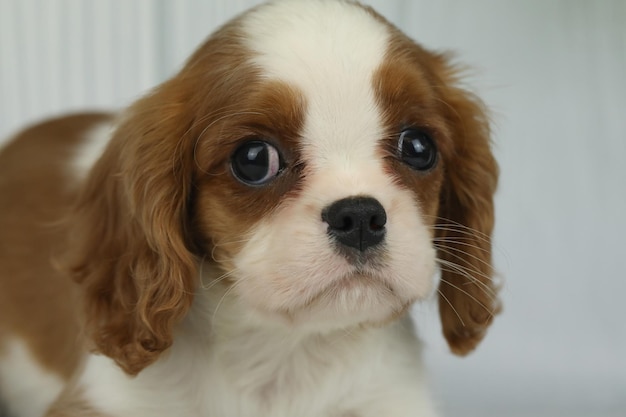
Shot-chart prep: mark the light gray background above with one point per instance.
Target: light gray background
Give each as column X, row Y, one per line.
column 553, row 73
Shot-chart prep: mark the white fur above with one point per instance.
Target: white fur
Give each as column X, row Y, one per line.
column 231, row 363
column 25, row 386
column 90, row 150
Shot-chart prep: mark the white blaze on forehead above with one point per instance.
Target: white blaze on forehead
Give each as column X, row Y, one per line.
column 329, row 50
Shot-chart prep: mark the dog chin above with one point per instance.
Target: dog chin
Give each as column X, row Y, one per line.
column 352, row 300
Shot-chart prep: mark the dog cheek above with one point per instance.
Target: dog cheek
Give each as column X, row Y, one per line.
column 285, row 263
column 409, row 244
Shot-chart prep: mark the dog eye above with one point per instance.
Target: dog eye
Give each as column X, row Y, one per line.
column 256, row 163
column 417, row 149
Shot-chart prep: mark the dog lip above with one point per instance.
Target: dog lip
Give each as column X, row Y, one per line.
column 358, row 279
column 363, row 280
column 369, row 259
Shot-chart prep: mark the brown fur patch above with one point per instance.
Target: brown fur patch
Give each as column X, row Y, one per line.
column 225, row 208
column 34, row 194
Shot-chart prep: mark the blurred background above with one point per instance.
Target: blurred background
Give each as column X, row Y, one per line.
column 553, row 73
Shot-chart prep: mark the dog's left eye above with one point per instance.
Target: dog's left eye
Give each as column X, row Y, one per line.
column 417, row 149
column 256, row 162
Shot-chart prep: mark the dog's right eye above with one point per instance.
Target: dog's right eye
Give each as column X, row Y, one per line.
column 256, row 162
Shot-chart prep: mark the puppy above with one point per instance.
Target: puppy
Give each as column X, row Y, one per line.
column 247, row 239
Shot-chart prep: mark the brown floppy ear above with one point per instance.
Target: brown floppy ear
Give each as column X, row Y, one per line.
column 128, row 244
column 468, row 294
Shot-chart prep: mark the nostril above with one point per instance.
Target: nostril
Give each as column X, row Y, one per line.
column 357, row 222
column 340, row 219
column 377, row 222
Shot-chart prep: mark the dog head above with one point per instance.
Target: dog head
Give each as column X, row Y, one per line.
column 321, row 160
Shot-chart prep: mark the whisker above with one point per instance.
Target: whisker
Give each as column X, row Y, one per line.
column 219, row 304
column 218, row 116
column 217, row 280
column 466, row 237
column 452, row 307
column 466, row 233
column 488, row 310
column 449, row 249
column 458, row 243
column 468, row 273
column 483, row 287
column 179, row 147
column 231, row 242
column 450, row 223
column 229, row 109
column 222, row 243
column 452, row 267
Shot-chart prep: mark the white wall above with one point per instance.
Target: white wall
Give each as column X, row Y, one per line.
column 554, row 74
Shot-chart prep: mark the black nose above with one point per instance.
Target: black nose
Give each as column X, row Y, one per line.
column 357, row 222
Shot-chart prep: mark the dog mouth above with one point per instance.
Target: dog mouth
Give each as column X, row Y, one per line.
column 356, row 288
column 353, row 282
column 356, row 298
column 344, row 297
column 365, row 262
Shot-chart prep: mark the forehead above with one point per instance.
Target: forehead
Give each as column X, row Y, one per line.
column 300, row 41
column 330, row 52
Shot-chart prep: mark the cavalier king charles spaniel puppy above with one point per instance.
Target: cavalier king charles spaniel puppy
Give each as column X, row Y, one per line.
column 247, row 239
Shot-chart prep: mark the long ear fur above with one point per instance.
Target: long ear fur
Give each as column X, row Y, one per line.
column 128, row 243
column 468, row 294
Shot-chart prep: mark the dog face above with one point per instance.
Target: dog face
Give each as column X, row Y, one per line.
column 342, row 184
column 319, row 158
